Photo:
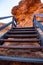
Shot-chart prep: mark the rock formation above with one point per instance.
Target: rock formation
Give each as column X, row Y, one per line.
column 39, row 11
column 24, row 12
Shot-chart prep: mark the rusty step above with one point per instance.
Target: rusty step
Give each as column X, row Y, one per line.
column 20, row 40
column 22, row 35
column 20, row 29
column 24, row 28
column 22, row 32
column 22, row 47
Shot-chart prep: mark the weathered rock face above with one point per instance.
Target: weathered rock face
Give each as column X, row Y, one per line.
column 24, row 12
column 38, row 11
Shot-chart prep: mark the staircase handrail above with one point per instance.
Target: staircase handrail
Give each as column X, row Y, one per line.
column 37, row 23
column 12, row 22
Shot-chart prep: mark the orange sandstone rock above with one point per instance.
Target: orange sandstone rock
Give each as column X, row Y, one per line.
column 24, row 12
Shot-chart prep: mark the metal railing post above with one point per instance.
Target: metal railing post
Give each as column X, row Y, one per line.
column 34, row 18
column 14, row 22
column 41, row 40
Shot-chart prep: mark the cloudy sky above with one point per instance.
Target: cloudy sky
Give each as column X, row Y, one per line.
column 6, row 6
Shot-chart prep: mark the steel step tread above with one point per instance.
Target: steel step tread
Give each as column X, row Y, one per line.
column 20, row 40
column 22, row 35
column 24, row 28
column 23, row 32
column 22, row 47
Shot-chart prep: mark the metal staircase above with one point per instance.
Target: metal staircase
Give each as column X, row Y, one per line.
column 21, row 35
column 23, row 39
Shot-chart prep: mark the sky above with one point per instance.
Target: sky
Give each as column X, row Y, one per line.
column 6, row 6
